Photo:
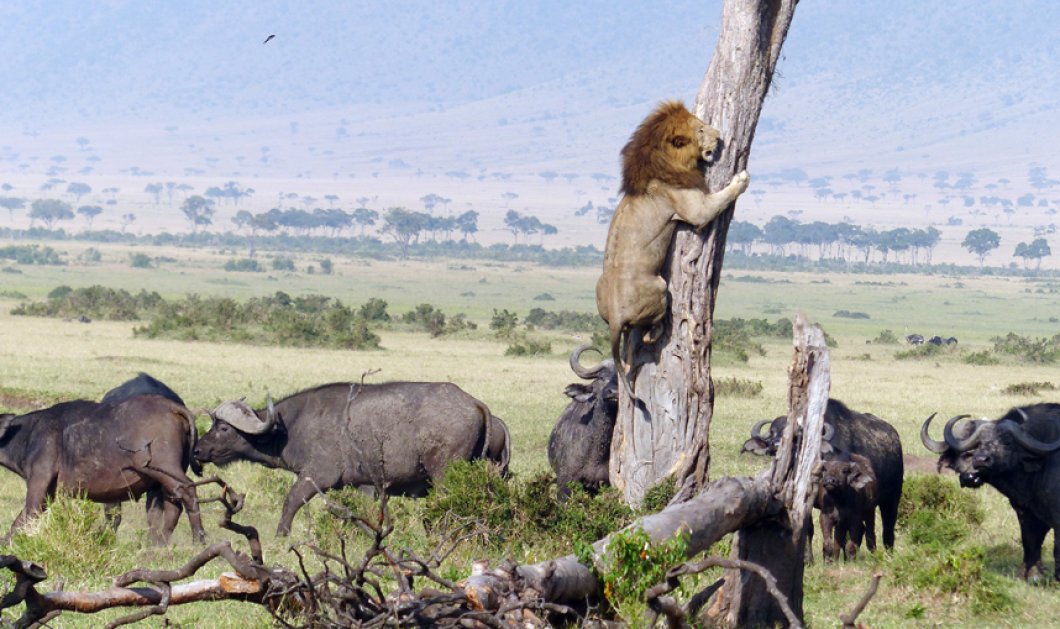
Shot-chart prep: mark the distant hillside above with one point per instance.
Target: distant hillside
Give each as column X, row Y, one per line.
column 898, row 112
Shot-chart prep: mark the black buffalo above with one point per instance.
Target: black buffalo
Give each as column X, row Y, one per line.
column 401, row 435
column 915, row 339
column 935, row 340
column 847, row 499
column 108, row 453
column 1019, row 455
column 856, row 433
column 579, row 448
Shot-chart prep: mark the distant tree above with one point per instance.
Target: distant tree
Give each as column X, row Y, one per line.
column 198, row 211
column 78, row 189
column 126, row 220
column 404, row 226
column 89, row 212
column 981, row 242
column 926, row 240
column 155, row 190
column 49, row 211
column 334, row 220
column 467, row 223
column 508, row 198
column 365, row 218
column 742, row 236
column 185, row 189
column 82, row 143
column 11, row 204
column 779, row 232
column 1036, row 250
column 548, row 175
column 431, row 200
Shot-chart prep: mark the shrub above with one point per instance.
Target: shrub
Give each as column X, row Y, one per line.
column 139, row 260
column 564, row 320
column 503, row 323
column 434, row 321
column 374, row 310
column 736, row 387
column 982, row 357
column 280, row 264
column 1035, row 350
column 71, row 538
column 525, row 346
column 246, row 265
column 544, row 297
column 927, row 350
column 658, row 495
column 95, row 301
column 326, row 266
column 633, row 564
column 90, row 255
column 31, row 254
column 938, row 500
column 847, row 314
column 886, row 337
column 1028, row 388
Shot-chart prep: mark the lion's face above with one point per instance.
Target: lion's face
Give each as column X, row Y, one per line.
column 671, row 145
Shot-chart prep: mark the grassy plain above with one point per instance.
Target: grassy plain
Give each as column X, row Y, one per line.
column 44, row 360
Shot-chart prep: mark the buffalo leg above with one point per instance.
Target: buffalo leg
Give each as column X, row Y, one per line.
column 38, row 491
column 827, row 537
column 888, row 516
column 301, row 492
column 178, row 487
column 1032, row 535
column 1056, row 556
column 163, row 514
column 870, row 530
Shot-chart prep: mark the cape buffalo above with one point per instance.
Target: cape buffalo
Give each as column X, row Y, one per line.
column 401, row 435
column 846, row 497
column 1019, row 454
column 857, row 433
column 579, row 448
column 107, row 453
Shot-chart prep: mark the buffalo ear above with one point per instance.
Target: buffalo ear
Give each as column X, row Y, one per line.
column 861, row 480
column 757, row 446
column 579, row 392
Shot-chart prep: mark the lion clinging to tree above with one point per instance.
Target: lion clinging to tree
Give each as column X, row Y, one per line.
column 663, row 181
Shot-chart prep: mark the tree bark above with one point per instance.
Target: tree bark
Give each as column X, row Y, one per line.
column 779, row 544
column 667, row 435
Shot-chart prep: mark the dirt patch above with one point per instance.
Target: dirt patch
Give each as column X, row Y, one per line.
column 921, row 464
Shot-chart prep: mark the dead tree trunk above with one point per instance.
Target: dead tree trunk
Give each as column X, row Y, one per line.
column 779, row 544
column 668, row 434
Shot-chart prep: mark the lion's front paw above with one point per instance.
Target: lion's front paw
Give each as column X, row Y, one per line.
column 741, row 180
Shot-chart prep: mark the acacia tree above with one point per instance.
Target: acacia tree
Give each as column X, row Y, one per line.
column 981, row 242
column 50, row 210
column 667, row 434
column 89, row 212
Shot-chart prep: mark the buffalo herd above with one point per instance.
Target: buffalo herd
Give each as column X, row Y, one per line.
column 399, row 437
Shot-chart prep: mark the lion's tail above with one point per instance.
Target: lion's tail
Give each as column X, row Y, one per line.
column 617, row 334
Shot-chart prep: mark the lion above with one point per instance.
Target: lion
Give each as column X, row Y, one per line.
column 663, row 182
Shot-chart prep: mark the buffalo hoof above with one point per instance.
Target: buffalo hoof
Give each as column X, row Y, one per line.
column 1032, row 574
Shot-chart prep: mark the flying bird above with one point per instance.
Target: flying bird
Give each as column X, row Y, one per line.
column 268, row 39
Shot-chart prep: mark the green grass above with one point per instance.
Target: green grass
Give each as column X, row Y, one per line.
column 43, row 360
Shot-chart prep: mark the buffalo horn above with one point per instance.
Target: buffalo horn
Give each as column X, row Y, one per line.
column 241, row 417
column 827, row 432
column 576, row 366
column 938, row 447
column 1029, row 442
column 756, row 430
column 969, row 442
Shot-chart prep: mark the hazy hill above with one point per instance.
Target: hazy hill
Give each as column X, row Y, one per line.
column 929, row 108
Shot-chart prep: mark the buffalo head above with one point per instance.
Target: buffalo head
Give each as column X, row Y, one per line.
column 236, row 427
column 980, row 449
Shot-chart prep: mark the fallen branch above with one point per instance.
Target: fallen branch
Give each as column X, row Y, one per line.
column 848, row 619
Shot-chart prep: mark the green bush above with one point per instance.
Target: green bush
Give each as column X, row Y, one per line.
column 1028, row 388
column 326, row 266
column 96, row 302
column 279, row 263
column 434, row 321
column 927, row 350
column 940, row 497
column 70, row 538
column 982, row 358
column 31, row 254
column 886, row 337
column 1036, row 350
column 563, row 320
column 520, row 513
column 374, row 310
column 503, row 323
column 524, row 346
column 139, row 261
column 245, row 265
column 849, row 314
